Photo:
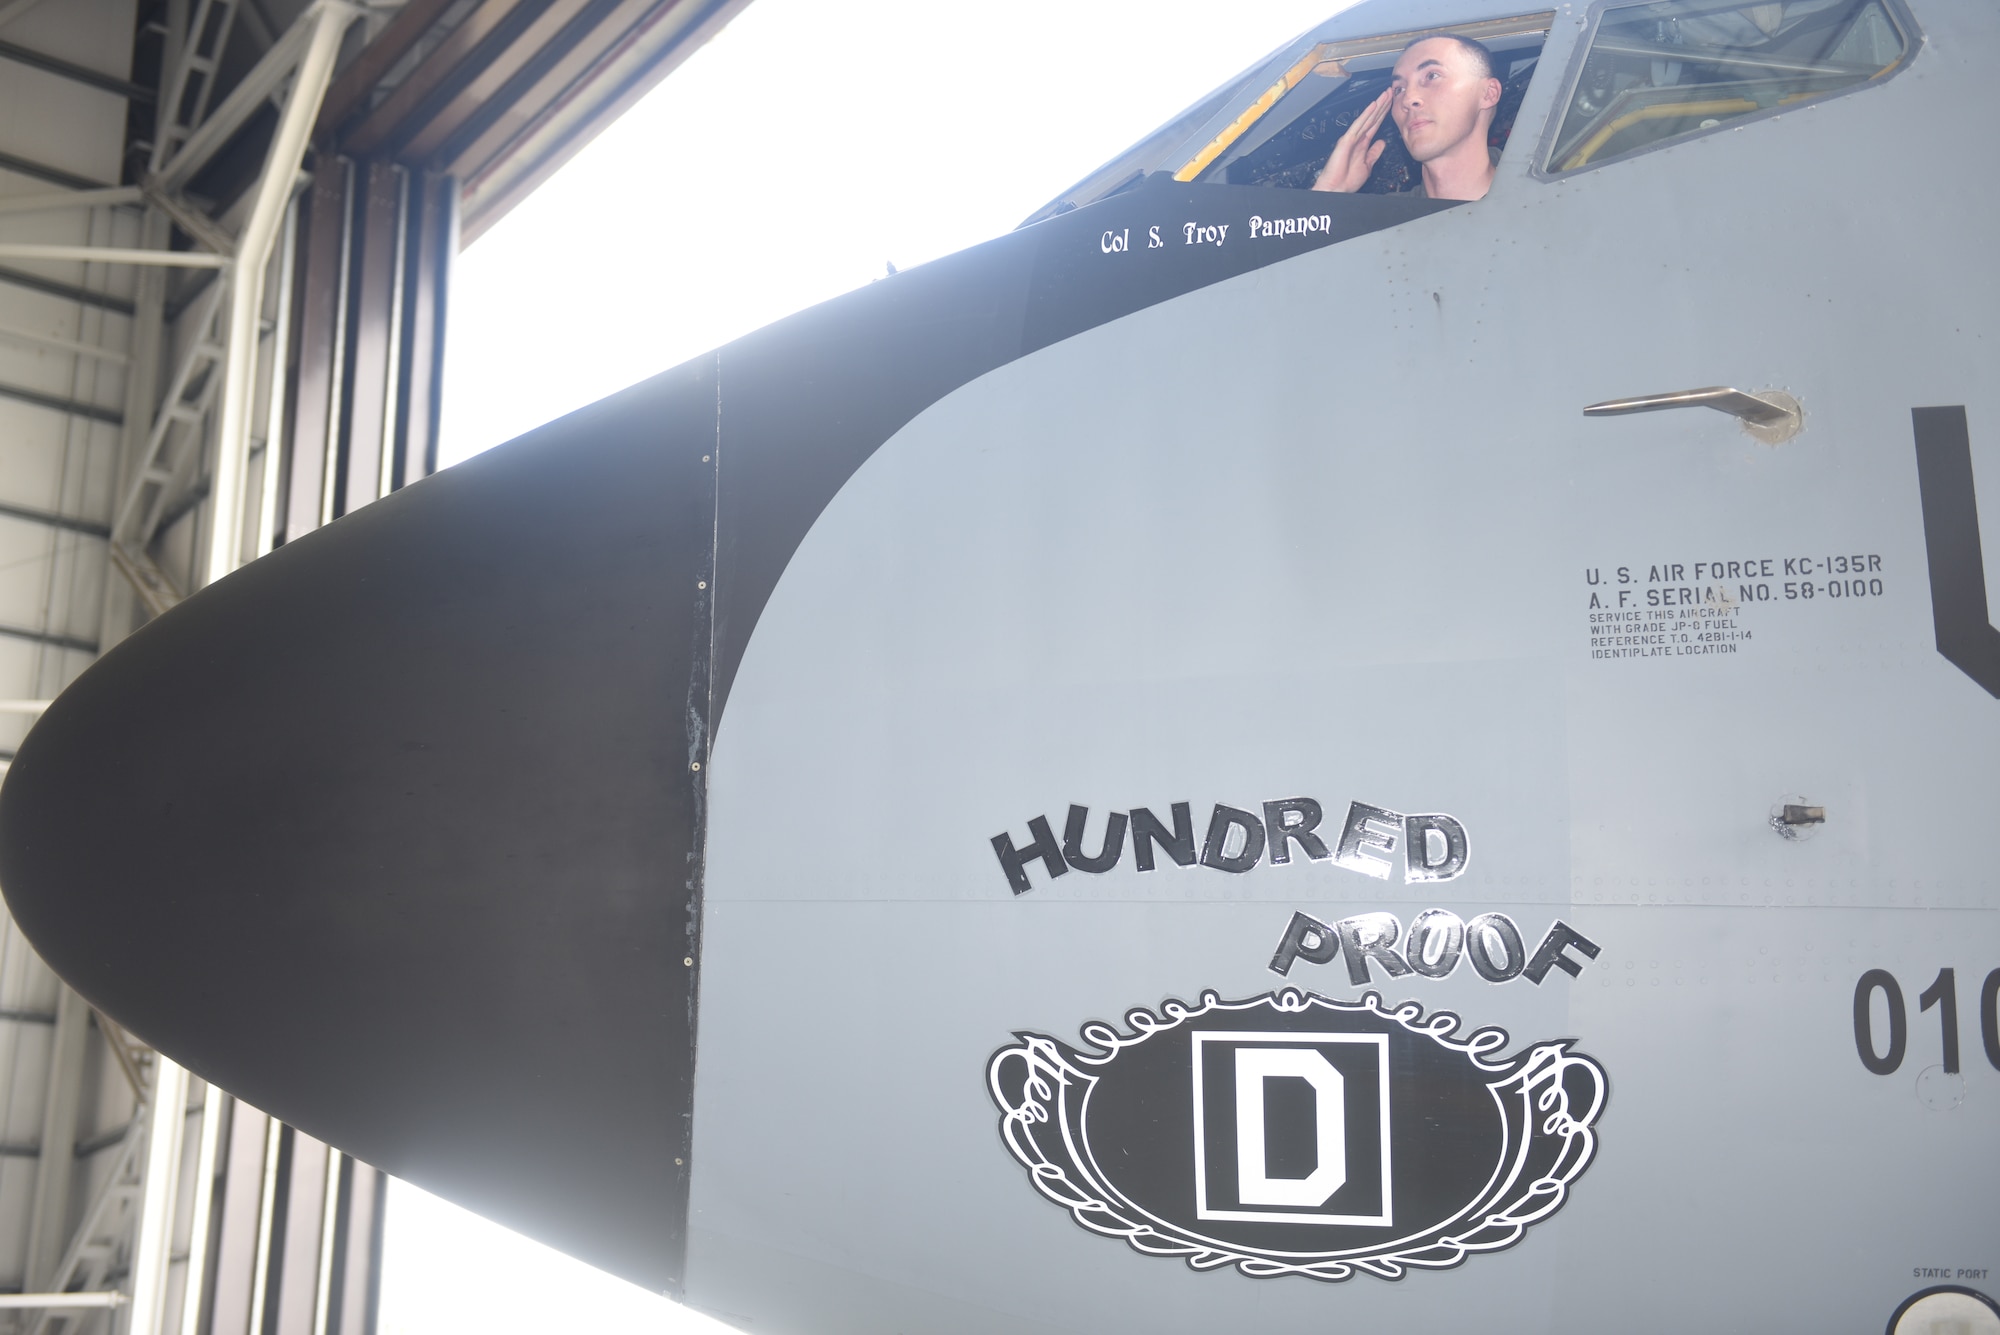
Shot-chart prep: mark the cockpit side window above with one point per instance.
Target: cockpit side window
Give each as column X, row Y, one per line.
column 1276, row 126
column 1283, row 138
column 1656, row 74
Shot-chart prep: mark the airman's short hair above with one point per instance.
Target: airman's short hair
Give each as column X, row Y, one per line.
column 1477, row 48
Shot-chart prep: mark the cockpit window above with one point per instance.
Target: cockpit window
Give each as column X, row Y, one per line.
column 1277, row 125
column 1659, row 73
column 1283, row 138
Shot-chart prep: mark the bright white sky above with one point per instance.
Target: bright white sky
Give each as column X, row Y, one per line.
column 807, row 146
column 793, row 157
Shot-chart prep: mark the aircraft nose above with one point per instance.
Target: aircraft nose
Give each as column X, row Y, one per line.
column 389, row 832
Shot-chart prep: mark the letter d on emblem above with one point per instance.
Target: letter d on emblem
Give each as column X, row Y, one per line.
column 1291, row 1128
column 1254, row 1187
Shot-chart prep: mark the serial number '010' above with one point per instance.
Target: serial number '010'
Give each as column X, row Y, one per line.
column 1941, row 995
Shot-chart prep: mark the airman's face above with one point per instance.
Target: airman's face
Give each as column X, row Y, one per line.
column 1439, row 94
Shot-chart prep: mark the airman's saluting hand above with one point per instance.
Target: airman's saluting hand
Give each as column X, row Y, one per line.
column 1358, row 150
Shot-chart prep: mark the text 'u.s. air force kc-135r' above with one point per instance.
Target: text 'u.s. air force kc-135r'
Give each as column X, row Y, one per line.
column 1205, row 765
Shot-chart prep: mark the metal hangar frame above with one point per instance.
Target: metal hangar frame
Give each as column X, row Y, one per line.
column 226, row 237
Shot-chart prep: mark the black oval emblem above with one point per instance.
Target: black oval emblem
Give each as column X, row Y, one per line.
column 1292, row 1134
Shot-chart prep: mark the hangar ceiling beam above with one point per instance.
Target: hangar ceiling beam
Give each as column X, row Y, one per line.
column 186, row 146
column 70, row 1301
column 41, row 171
column 191, row 84
column 82, row 296
column 64, row 69
column 268, row 203
column 88, row 198
column 173, row 259
column 50, row 637
column 33, row 516
column 70, row 407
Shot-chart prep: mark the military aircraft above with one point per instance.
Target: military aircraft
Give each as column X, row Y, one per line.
column 1237, row 757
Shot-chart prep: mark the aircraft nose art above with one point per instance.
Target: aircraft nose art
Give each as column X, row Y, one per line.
column 396, row 832
column 390, row 833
